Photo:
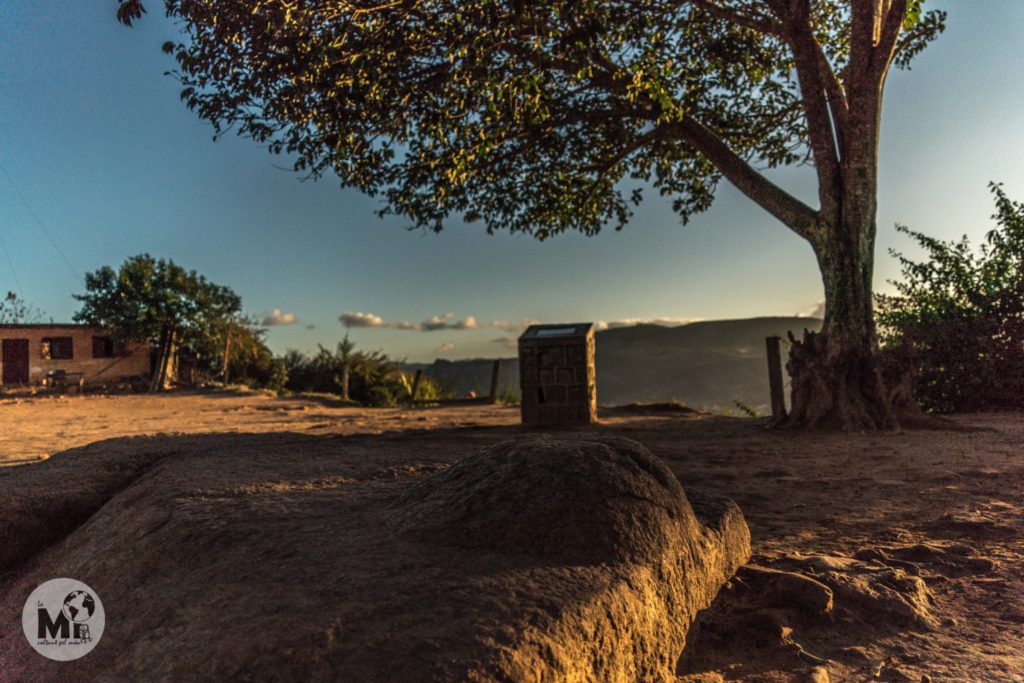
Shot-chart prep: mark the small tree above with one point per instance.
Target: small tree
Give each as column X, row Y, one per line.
column 15, row 311
column 961, row 316
column 157, row 301
column 346, row 347
column 249, row 360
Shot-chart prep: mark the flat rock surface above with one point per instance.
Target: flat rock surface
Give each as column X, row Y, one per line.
column 944, row 506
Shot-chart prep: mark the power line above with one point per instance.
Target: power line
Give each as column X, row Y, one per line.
column 14, row 272
column 39, row 223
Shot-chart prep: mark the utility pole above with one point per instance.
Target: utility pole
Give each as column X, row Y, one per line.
column 492, row 397
column 227, row 351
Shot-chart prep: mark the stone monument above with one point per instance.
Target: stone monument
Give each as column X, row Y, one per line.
column 556, row 375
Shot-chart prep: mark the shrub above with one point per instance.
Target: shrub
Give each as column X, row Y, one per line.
column 374, row 379
column 250, row 362
column 509, row 396
column 960, row 314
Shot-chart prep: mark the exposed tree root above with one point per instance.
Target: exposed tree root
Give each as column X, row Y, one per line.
column 840, row 382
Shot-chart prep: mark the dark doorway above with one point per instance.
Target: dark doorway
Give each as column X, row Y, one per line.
column 15, row 357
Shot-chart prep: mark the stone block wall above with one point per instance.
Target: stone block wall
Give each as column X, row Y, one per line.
column 556, row 375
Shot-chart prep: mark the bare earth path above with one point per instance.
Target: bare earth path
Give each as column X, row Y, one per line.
column 946, row 505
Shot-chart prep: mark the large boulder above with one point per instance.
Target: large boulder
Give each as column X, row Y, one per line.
column 628, row 561
column 283, row 557
column 570, row 500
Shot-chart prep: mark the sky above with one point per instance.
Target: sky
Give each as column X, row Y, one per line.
column 100, row 161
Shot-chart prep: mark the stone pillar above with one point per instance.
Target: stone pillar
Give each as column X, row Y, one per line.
column 556, row 375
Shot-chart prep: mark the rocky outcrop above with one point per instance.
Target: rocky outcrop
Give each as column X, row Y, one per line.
column 537, row 559
column 630, row 560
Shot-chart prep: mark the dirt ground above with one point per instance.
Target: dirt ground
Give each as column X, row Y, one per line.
column 942, row 510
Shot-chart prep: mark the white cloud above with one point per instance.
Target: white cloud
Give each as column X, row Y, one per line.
column 359, row 319
column 633, row 322
column 277, row 318
column 816, row 311
column 436, row 322
column 431, row 324
column 445, row 347
column 506, row 326
column 447, row 322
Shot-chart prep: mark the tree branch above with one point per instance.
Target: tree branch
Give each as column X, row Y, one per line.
column 862, row 38
column 619, row 157
column 817, row 81
column 796, row 215
column 889, row 34
column 837, row 102
column 761, row 24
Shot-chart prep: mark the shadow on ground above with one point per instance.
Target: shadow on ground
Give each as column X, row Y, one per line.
column 931, row 517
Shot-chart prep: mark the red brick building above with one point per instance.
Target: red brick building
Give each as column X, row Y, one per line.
column 33, row 354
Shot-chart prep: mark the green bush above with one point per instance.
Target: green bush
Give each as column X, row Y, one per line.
column 509, row 396
column 250, row 361
column 960, row 315
column 374, row 379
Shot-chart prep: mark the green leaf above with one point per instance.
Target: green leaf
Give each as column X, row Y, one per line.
column 913, row 15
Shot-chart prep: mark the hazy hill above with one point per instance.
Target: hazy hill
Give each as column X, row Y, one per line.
column 707, row 364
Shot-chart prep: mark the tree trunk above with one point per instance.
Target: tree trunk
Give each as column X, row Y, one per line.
column 840, row 377
column 168, row 359
column 159, row 377
column 155, row 378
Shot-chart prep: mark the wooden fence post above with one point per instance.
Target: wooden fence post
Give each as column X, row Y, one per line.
column 495, row 375
column 773, row 345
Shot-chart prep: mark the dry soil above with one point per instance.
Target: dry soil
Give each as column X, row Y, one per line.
column 940, row 512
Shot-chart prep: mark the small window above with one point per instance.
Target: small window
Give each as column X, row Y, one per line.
column 102, row 347
column 58, row 348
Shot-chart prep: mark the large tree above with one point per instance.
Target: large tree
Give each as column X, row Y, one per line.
column 531, row 116
column 157, row 301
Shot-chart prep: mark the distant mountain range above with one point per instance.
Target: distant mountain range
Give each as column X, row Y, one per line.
column 710, row 364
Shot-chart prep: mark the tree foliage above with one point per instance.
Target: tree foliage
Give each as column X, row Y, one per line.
column 374, row 379
column 961, row 313
column 146, row 297
column 250, row 361
column 529, row 115
column 156, row 300
column 16, row 311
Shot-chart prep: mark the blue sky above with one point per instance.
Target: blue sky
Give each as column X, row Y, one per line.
column 111, row 164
